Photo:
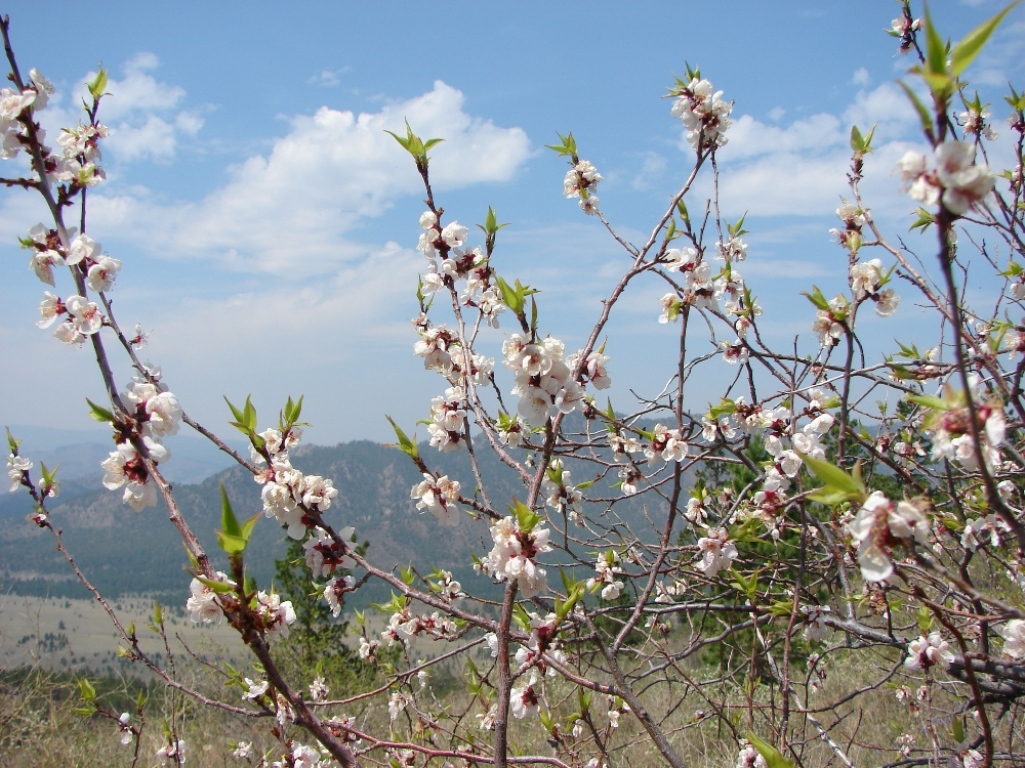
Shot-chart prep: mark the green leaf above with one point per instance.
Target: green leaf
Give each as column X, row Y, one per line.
column 158, row 614
column 233, row 538
column 510, row 296
column 838, row 484
column 771, row 755
column 405, row 445
column 923, row 113
column 861, row 145
column 958, row 729
column 817, row 298
column 525, row 518
column 12, row 443
column 972, row 43
column 98, row 84
column 86, row 690
column 924, row 618
column 99, row 413
column 935, row 48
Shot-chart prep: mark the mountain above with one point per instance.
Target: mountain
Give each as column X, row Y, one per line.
column 124, row 552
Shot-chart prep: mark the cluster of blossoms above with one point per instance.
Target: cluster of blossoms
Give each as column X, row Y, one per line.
column 152, row 413
column 881, row 524
column 514, row 555
column 704, row 113
column 954, row 178
column 866, row 280
column 16, row 109
column 438, row 495
column 854, row 221
column 716, row 552
column 975, row 121
column 952, row 434
column 287, row 493
column 700, row 290
column 82, row 317
column 544, row 380
column 904, row 27
column 606, row 569
column 404, row 625
column 928, row 651
column 172, row 752
column 448, row 417
column 562, row 495
column 450, row 263
column 76, row 164
column 831, row 324
column 580, row 182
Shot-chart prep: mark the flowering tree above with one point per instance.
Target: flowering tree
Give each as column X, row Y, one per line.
column 791, row 529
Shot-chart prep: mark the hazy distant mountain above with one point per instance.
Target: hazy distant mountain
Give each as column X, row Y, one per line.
column 79, row 452
column 127, row 552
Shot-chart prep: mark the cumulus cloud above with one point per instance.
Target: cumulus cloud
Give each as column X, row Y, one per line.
column 293, row 210
column 143, row 113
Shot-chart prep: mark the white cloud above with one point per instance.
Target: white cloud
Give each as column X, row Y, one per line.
column 142, row 112
column 292, row 211
column 861, row 77
column 653, row 166
column 328, row 78
column 749, row 137
column 887, row 107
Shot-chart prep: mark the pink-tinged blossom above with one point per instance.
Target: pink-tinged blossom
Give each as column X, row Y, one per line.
column 606, row 569
column 42, row 263
column 203, row 602
column 50, row 308
column 523, row 698
column 956, row 179
column 733, row 249
column 102, row 274
column 717, row 552
column 306, row 757
column 881, row 524
column 83, row 248
column 334, row 592
column 736, row 353
column 928, row 651
column 17, row 466
column 681, row 259
column 67, row 333
column 454, row 234
column 324, row 555
column 85, row 316
column 830, row 324
column 815, row 627
column 318, row 492
column 439, row 496
column 667, row 444
column 749, row 757
column 704, row 113
column 277, row 615
column 172, row 752
column 1013, row 633
column 514, row 555
column 952, row 438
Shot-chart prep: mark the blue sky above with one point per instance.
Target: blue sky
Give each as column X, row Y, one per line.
column 267, row 224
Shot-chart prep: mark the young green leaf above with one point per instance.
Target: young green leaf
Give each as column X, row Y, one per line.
column 771, row 755
column 972, row 43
